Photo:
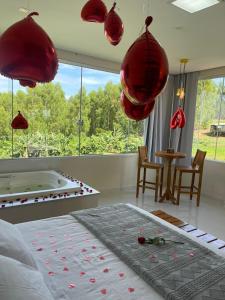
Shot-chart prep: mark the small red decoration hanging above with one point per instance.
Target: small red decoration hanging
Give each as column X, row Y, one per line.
column 178, row 119
column 27, row 53
column 19, row 122
column 113, row 27
column 145, row 68
column 136, row 112
column 30, row 84
column 94, row 11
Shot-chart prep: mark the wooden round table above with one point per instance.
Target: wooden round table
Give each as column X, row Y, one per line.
column 169, row 157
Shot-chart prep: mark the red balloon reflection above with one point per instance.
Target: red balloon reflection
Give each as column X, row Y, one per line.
column 19, row 122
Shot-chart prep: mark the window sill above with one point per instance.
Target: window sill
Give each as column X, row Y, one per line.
column 69, row 157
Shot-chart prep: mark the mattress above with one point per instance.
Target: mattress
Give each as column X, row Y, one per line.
column 76, row 265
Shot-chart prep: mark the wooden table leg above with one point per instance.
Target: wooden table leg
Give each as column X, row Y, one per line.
column 168, row 194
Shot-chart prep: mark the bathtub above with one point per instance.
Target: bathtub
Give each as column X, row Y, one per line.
column 34, row 184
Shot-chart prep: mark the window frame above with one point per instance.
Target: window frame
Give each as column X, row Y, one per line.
column 94, row 65
column 217, row 73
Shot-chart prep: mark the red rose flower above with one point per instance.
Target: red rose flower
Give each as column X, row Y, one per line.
column 141, row 240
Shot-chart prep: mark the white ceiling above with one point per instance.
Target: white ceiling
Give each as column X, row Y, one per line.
column 199, row 37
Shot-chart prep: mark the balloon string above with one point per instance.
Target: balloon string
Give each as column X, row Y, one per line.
column 34, row 13
column 148, row 8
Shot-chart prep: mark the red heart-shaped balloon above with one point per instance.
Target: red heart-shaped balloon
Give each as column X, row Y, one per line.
column 94, row 11
column 113, row 27
column 145, row 69
column 27, row 53
column 178, row 119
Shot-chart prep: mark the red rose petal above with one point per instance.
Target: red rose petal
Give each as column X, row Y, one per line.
column 65, row 269
column 63, row 258
column 84, row 250
column 106, row 270
column 51, row 273
column 101, row 257
column 93, row 247
column 71, row 286
column 121, row 275
column 87, row 258
column 40, row 249
column 92, row 280
column 131, row 290
column 104, row 291
column 153, row 258
column 82, row 273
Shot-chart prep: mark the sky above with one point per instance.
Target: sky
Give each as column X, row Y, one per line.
column 69, row 78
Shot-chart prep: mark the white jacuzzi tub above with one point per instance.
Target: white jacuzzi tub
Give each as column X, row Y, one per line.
column 34, row 184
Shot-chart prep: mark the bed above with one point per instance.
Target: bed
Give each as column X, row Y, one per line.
column 77, row 265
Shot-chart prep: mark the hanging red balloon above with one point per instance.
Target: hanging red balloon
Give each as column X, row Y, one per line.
column 178, row 119
column 27, row 53
column 28, row 83
column 94, row 11
column 113, row 27
column 136, row 112
column 19, row 122
column 145, row 69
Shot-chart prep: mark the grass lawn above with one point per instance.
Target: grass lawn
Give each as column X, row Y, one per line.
column 202, row 140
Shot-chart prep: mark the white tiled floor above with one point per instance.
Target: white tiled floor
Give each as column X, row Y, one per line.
column 209, row 216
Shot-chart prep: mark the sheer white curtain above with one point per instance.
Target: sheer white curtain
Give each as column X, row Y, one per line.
column 157, row 133
column 156, row 126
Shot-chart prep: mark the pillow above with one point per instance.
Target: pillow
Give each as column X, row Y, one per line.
column 13, row 245
column 21, row 282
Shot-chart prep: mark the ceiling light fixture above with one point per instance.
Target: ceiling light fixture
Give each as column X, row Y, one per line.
column 193, row 6
column 181, row 89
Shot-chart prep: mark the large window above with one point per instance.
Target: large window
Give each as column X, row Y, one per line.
column 105, row 128
column 78, row 113
column 209, row 132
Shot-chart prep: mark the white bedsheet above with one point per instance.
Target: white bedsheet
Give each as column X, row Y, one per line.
column 75, row 265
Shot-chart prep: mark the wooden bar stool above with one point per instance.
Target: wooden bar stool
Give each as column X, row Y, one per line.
column 195, row 168
column 145, row 164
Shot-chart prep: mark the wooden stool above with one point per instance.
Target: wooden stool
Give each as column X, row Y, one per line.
column 195, row 168
column 145, row 164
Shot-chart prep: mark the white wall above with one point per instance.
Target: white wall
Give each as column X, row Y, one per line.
column 99, row 171
column 213, row 184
